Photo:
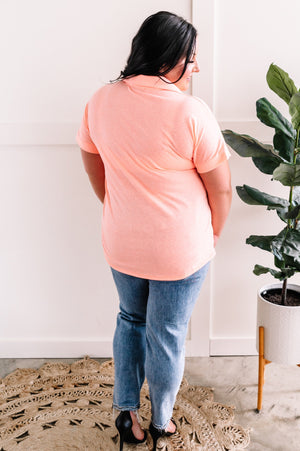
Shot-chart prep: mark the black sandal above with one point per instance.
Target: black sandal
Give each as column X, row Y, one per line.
column 157, row 433
column 124, row 424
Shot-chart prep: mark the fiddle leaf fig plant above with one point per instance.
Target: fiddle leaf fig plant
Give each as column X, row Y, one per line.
column 282, row 161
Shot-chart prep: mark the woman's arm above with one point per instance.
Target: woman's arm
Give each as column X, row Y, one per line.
column 218, row 186
column 94, row 167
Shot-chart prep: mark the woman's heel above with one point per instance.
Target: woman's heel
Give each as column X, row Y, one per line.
column 154, row 443
column 124, row 424
column 157, row 433
column 121, row 442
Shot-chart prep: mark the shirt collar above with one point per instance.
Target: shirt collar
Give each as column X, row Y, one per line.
column 151, row 81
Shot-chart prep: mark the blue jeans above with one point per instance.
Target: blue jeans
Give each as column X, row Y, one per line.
column 149, row 340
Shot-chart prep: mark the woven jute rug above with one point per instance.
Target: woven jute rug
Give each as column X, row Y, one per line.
column 69, row 407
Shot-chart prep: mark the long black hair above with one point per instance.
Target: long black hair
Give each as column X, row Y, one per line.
column 162, row 40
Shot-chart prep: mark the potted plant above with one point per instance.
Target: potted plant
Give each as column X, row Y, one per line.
column 278, row 313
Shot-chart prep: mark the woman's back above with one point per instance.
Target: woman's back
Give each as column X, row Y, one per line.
column 152, row 139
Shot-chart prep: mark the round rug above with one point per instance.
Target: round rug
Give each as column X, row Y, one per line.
column 62, row 407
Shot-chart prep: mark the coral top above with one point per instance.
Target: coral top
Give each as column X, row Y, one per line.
column 154, row 142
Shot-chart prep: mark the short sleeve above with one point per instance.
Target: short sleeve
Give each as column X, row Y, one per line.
column 210, row 149
column 83, row 135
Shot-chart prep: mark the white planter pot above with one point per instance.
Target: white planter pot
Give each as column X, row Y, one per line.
column 281, row 328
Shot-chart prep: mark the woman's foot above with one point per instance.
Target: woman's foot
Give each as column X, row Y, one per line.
column 171, row 428
column 136, row 428
column 129, row 428
column 157, row 433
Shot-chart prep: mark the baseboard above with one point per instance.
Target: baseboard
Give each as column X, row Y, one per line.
column 59, row 348
column 221, row 346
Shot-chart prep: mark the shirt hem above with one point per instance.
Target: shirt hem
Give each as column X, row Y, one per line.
column 151, row 276
column 87, row 147
column 214, row 164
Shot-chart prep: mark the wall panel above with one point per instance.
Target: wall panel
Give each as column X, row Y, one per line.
column 57, row 294
column 247, row 37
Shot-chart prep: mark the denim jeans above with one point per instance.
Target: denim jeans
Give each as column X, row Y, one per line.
column 149, row 340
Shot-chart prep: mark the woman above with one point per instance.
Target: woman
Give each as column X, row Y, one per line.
column 157, row 160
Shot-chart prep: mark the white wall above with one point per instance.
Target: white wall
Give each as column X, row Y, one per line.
column 245, row 38
column 56, row 292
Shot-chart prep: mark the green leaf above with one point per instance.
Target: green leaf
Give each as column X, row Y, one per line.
column 265, row 158
column 291, row 244
column 266, row 165
column 280, row 82
column 286, row 247
column 277, row 244
column 284, row 145
column 253, row 196
column 294, row 213
column 282, row 212
column 294, row 108
column 296, row 195
column 287, row 174
column 246, row 146
column 279, row 263
column 281, row 275
column 263, row 242
column 271, row 117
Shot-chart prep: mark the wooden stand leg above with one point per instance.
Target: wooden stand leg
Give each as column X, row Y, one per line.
column 261, row 368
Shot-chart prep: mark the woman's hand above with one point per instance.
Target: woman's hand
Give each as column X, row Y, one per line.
column 215, row 240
